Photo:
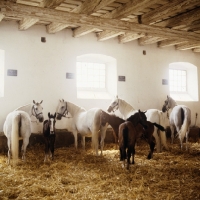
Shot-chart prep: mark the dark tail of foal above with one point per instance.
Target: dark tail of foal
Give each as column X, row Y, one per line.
column 125, row 140
column 159, row 126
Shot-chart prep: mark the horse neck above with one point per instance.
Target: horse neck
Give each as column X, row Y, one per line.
column 27, row 108
column 134, row 119
column 114, row 120
column 125, row 108
column 73, row 109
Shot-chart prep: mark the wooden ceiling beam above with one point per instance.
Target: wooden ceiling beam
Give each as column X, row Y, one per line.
column 196, row 50
column 187, row 46
column 51, row 15
column 26, row 23
column 1, row 16
column 128, row 37
column 107, row 34
column 51, row 3
column 149, row 40
column 56, row 27
column 167, row 43
column 83, row 30
column 129, row 8
column 182, row 19
column 169, row 9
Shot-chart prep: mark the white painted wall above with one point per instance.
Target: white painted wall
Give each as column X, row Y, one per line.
column 42, row 70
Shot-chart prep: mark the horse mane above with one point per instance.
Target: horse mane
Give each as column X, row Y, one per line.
column 22, row 107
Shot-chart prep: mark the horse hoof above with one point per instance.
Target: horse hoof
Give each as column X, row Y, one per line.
column 149, row 157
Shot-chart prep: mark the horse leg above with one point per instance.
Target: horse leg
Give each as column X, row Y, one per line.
column 46, row 149
column 151, row 145
column 133, row 155
column 75, row 139
column 128, row 157
column 24, row 145
column 52, row 142
column 103, row 135
column 157, row 138
column 83, row 142
column 163, row 139
column 9, row 152
column 187, row 133
column 172, row 133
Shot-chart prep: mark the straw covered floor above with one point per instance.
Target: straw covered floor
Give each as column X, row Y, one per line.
column 78, row 174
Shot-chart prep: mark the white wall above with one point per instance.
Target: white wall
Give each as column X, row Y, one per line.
column 42, row 70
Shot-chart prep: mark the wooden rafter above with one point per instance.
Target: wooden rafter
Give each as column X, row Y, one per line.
column 51, row 3
column 26, row 23
column 169, row 9
column 149, row 40
column 1, row 16
column 196, row 50
column 187, row 46
column 182, row 19
column 129, row 8
column 127, row 37
column 55, row 27
column 90, row 6
column 50, row 15
column 167, row 43
column 107, row 34
column 83, row 30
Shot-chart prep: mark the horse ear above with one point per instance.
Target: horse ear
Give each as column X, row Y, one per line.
column 34, row 101
column 49, row 114
column 63, row 100
column 41, row 101
column 117, row 96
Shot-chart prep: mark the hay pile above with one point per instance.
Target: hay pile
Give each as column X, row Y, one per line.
column 172, row 175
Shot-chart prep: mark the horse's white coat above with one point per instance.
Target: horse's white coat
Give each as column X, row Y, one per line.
column 153, row 115
column 87, row 123
column 176, row 122
column 18, row 123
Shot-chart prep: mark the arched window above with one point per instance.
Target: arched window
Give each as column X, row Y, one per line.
column 1, row 73
column 183, row 83
column 96, row 76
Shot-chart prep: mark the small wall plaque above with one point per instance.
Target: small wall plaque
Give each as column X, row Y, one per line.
column 164, row 82
column 121, row 78
column 11, row 72
column 69, row 75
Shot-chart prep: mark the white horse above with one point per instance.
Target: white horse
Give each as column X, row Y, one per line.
column 179, row 118
column 87, row 123
column 18, row 126
column 153, row 115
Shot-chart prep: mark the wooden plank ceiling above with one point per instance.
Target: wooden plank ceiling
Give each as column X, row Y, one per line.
column 165, row 22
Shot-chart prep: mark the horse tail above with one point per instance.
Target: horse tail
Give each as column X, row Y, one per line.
column 159, row 126
column 125, row 140
column 186, row 116
column 16, row 123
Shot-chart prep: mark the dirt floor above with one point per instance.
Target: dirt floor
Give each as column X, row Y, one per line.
column 170, row 175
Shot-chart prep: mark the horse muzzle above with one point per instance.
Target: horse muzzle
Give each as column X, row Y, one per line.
column 41, row 119
column 110, row 109
column 59, row 117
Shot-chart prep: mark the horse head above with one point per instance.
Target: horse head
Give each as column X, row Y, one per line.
column 37, row 111
column 62, row 109
column 138, row 117
column 114, row 105
column 169, row 103
column 142, row 119
column 52, row 122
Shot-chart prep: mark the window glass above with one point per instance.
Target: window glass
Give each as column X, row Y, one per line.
column 91, row 75
column 177, row 79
